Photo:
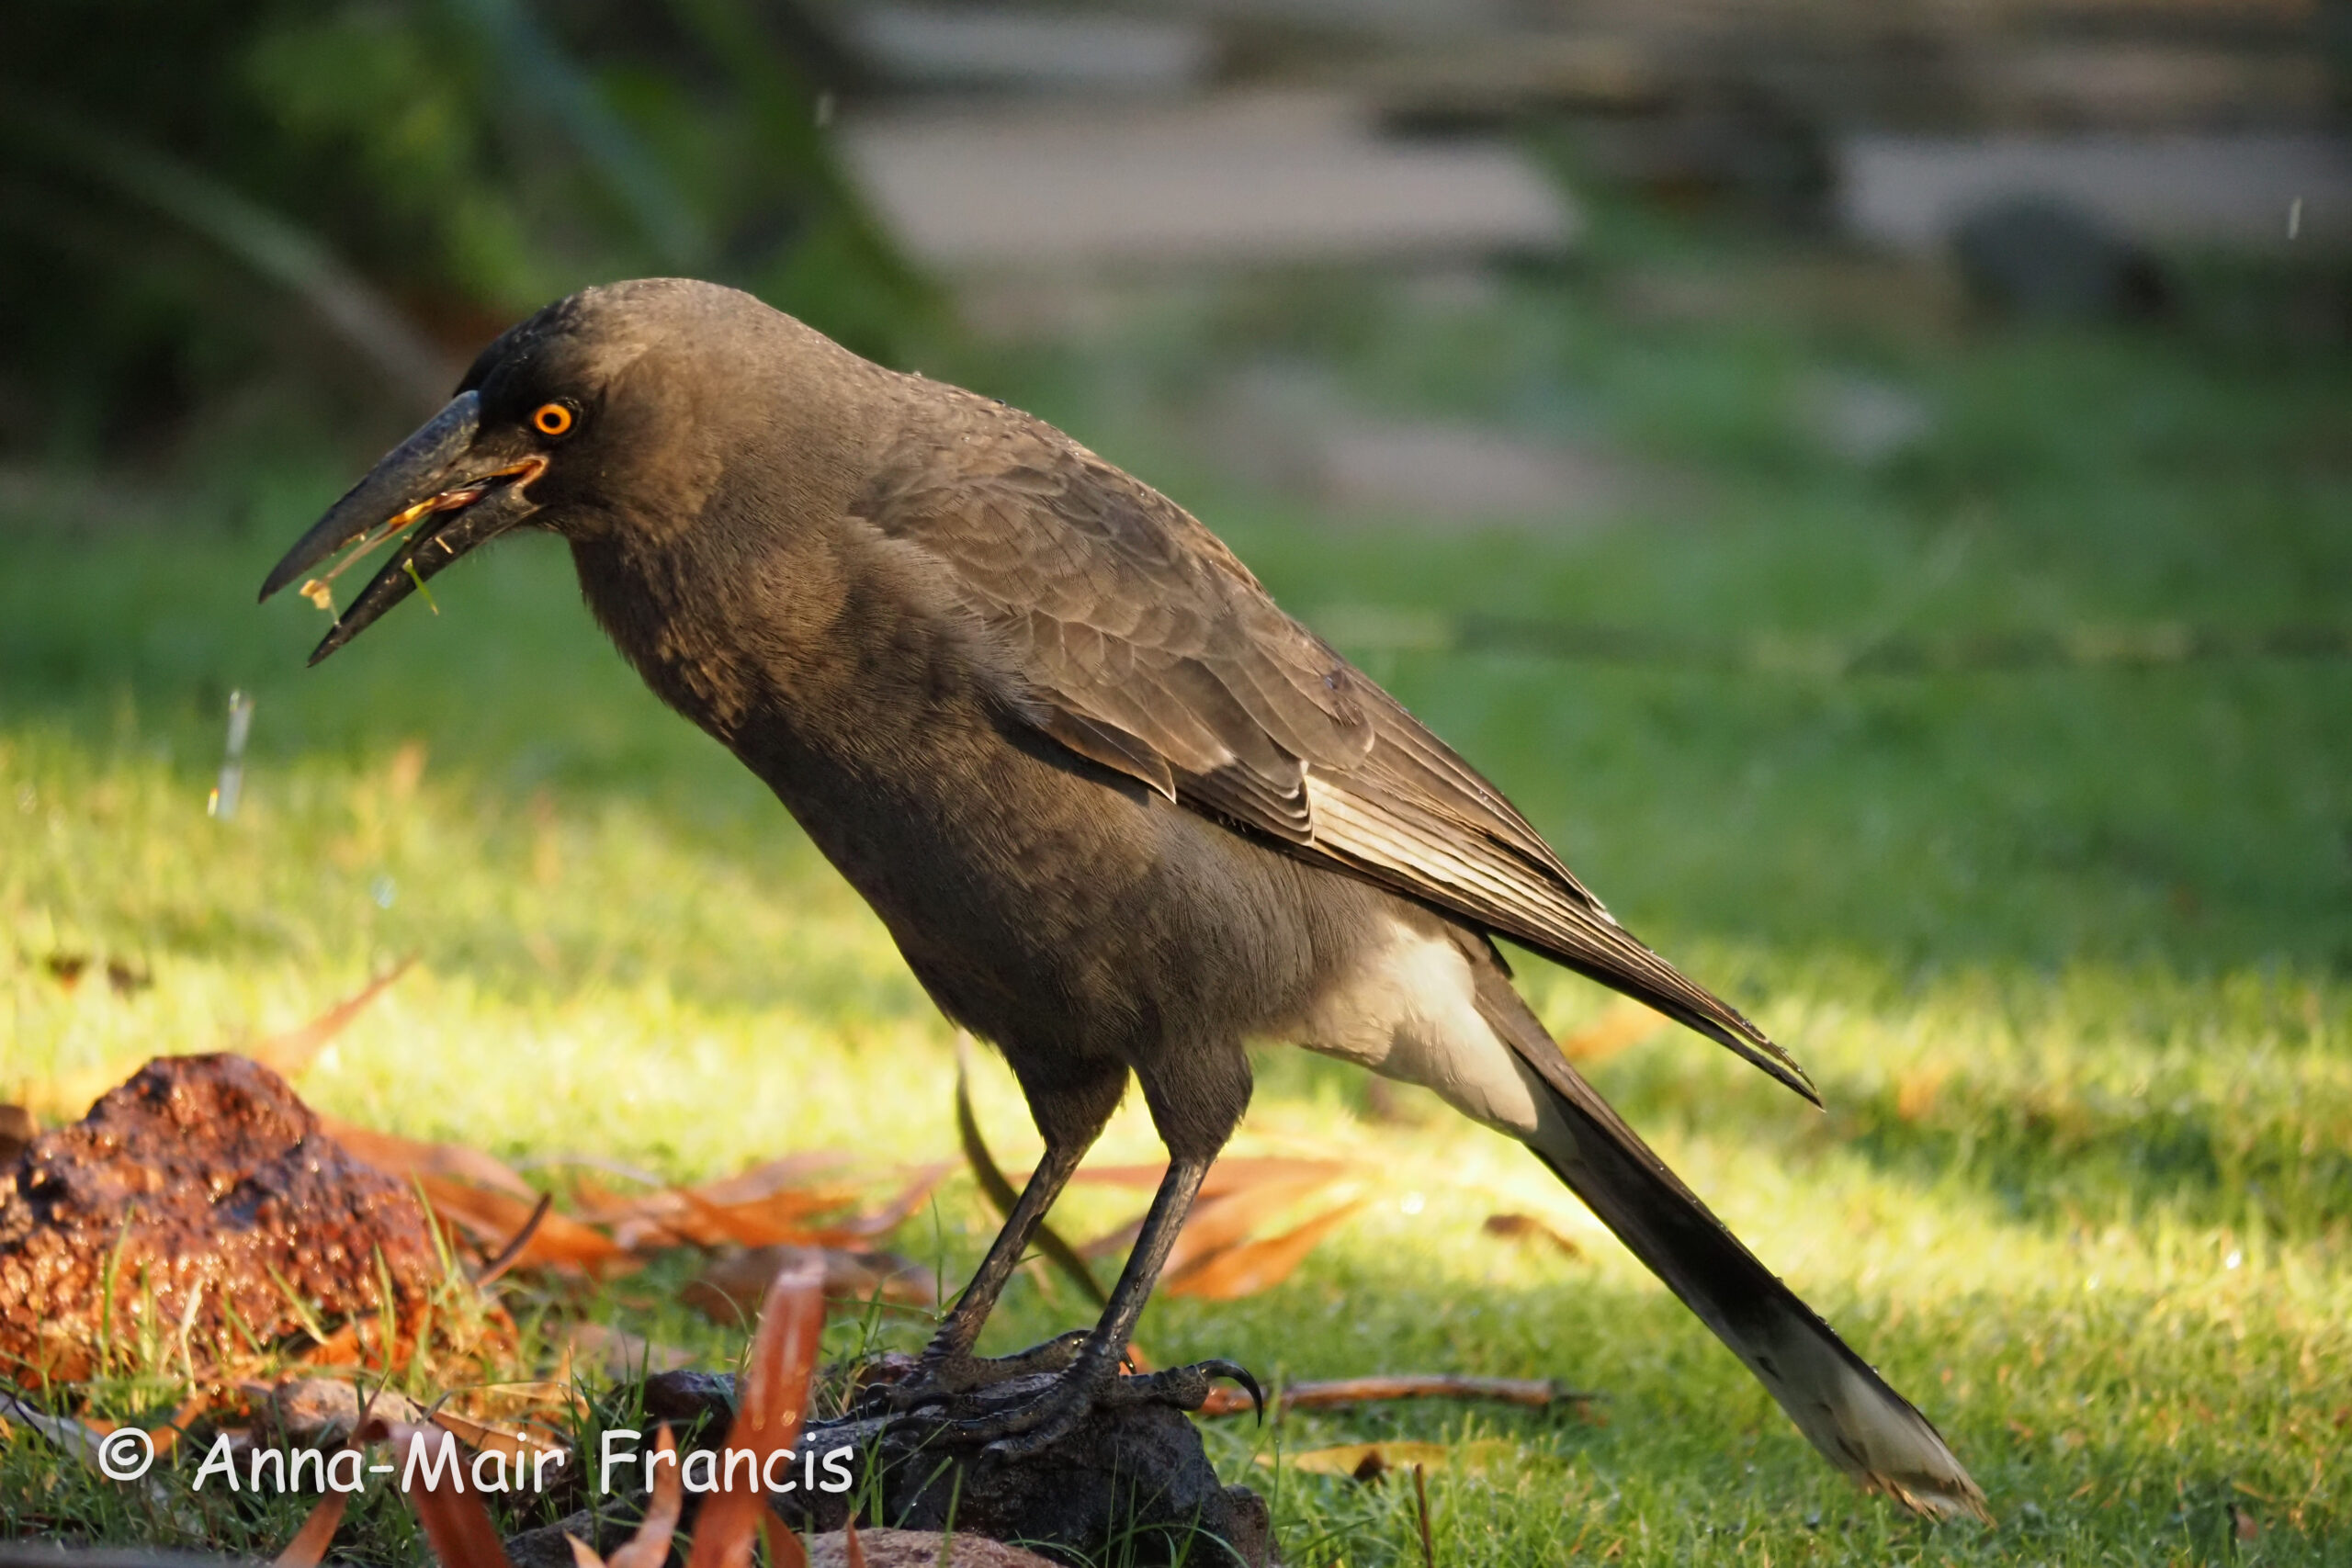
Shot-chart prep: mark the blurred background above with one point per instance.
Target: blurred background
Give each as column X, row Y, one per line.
column 223, row 213
column 1872, row 479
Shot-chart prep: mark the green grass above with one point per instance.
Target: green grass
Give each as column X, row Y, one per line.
column 2068, row 949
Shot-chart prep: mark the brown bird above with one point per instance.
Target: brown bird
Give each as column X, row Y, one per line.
column 1120, row 813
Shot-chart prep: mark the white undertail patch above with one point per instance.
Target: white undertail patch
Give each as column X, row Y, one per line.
column 1408, row 1010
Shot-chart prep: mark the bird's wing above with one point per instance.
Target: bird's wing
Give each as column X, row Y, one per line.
column 1139, row 640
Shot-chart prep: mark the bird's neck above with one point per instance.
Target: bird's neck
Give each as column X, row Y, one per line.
column 798, row 642
column 715, row 632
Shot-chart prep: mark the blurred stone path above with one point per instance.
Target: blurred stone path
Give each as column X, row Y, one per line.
column 1238, row 179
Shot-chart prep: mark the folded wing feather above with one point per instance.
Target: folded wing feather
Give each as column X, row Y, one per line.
column 1147, row 648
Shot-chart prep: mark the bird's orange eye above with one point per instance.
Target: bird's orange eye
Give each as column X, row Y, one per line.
column 552, row 419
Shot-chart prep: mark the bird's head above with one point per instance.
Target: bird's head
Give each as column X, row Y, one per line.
column 611, row 409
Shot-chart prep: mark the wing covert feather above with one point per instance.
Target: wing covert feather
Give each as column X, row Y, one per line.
column 1150, row 650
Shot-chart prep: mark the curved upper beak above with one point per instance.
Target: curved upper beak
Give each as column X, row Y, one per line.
column 434, row 491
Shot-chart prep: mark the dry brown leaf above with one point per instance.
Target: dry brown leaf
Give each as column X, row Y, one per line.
column 598, row 1205
column 516, row 1442
column 760, row 1207
column 792, row 1171
column 1532, row 1392
column 1260, row 1265
column 18, row 1128
column 784, row 1549
column 1626, row 1024
column 731, row 1285
column 1213, row 1255
column 649, row 1547
column 774, row 1399
column 166, row 1434
column 1527, row 1227
column 410, row 1158
column 550, row 1403
column 1916, row 1091
column 1370, row 1462
column 340, row 1348
column 772, row 1220
column 456, row 1523
column 899, row 1208
column 406, row 770
column 290, row 1053
column 69, row 1099
column 311, row 1542
column 492, row 1204
column 494, row 1218
column 1221, row 1223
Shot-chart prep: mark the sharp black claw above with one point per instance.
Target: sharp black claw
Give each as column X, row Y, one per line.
column 1237, row 1374
column 1241, row 1374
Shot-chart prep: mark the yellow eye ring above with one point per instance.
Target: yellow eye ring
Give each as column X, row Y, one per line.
column 552, row 419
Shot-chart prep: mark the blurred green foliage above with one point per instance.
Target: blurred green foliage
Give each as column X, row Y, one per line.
column 265, row 212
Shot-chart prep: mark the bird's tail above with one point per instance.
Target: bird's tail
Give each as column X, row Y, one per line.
column 1848, row 1410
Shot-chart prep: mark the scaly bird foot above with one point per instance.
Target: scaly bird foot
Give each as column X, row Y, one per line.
column 1057, row 1411
column 941, row 1375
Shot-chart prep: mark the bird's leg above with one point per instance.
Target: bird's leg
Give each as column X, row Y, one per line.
column 948, row 1366
column 1093, row 1373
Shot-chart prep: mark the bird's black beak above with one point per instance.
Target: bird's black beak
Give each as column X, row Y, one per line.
column 438, row 492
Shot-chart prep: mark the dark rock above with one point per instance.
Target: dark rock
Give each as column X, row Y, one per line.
column 548, row 1546
column 688, row 1400
column 191, row 1191
column 1134, row 1477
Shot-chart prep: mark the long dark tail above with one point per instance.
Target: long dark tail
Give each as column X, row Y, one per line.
column 1848, row 1410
